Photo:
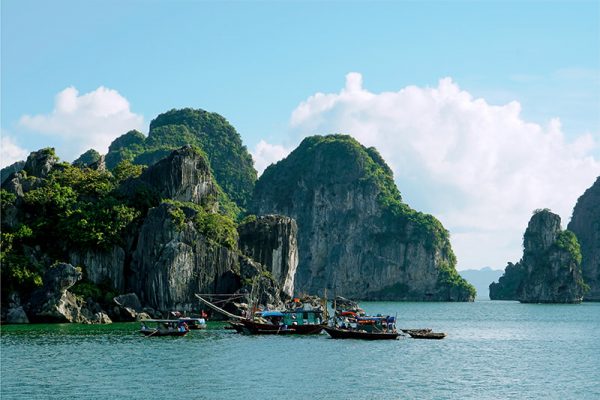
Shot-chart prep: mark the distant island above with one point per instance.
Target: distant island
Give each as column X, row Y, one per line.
column 558, row 266
column 138, row 231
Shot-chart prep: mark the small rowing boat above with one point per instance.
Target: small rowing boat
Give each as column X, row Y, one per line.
column 164, row 327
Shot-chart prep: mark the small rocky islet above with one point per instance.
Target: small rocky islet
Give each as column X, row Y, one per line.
column 138, row 231
column 558, row 266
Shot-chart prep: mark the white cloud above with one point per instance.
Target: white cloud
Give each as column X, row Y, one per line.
column 265, row 154
column 81, row 122
column 480, row 168
column 10, row 152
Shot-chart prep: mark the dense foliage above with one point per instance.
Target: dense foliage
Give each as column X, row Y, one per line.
column 217, row 228
column 509, row 284
column 567, row 241
column 89, row 157
column 229, row 159
column 72, row 208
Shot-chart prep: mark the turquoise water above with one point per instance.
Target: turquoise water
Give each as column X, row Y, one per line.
column 493, row 350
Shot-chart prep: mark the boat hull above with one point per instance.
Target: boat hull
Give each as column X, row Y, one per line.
column 257, row 328
column 337, row 333
column 428, row 335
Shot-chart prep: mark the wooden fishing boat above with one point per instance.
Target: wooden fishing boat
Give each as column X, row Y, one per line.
column 416, row 331
column 351, row 322
column 426, row 335
column 300, row 319
column 339, row 333
column 164, row 327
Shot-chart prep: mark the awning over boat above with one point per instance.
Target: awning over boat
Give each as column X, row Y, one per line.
column 272, row 314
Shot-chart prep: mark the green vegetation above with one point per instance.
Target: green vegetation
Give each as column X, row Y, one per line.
column 17, row 273
column 217, row 228
column 567, row 241
column 230, row 162
column 450, row 278
column 507, row 287
column 126, row 169
column 89, row 157
column 102, row 293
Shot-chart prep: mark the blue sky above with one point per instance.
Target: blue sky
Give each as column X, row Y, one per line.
column 257, row 62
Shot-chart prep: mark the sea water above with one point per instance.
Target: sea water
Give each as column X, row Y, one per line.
column 493, row 350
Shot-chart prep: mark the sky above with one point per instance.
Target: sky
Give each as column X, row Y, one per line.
column 484, row 110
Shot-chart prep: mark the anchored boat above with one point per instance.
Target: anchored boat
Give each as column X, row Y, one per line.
column 164, row 327
column 351, row 322
column 298, row 318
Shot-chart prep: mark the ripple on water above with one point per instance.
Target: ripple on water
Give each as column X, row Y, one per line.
column 493, row 350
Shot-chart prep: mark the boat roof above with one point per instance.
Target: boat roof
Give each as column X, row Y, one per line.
column 160, row 320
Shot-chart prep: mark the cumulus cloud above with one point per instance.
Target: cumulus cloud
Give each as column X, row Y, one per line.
column 265, row 154
column 81, row 122
column 480, row 168
column 10, row 151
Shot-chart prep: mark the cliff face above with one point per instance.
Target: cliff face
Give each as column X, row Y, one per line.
column 272, row 241
column 161, row 235
column 355, row 236
column 585, row 223
column 38, row 166
column 102, row 266
column 550, row 270
column 184, row 175
column 173, row 260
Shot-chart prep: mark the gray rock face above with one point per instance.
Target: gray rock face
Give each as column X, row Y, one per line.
column 552, row 272
column 272, row 241
column 40, row 163
column 171, row 263
column 9, row 170
column 102, row 265
column 267, row 289
column 184, row 175
column 355, row 237
column 129, row 307
column 17, row 315
column 585, row 223
column 53, row 302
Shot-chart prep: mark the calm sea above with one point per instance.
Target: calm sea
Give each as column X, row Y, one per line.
column 493, row 350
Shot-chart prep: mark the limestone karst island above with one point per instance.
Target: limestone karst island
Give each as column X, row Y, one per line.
column 141, row 230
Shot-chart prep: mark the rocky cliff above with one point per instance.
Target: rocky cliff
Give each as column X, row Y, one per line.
column 585, row 223
column 183, row 175
column 550, row 269
column 160, row 234
column 355, row 235
column 272, row 241
column 173, row 260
